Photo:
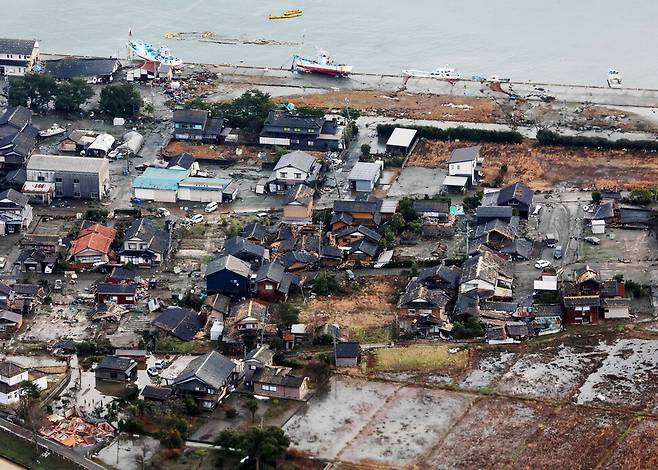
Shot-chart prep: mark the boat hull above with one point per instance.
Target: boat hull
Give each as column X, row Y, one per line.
column 148, row 52
column 331, row 70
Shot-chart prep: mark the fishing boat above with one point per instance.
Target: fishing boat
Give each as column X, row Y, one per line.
column 55, row 129
column 287, row 14
column 323, row 64
column 445, row 73
column 614, row 78
column 154, row 54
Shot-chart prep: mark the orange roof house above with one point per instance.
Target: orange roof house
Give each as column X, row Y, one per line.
column 92, row 245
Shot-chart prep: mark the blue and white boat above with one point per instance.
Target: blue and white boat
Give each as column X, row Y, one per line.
column 154, row 54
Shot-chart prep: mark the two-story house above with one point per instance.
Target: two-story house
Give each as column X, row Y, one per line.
column 145, row 244
column 92, row 245
column 18, row 138
column 12, row 377
column 208, row 379
column 353, row 213
column 228, row 275
column 196, row 125
column 15, row 212
column 517, row 196
column 285, row 129
column 466, row 162
column 298, row 204
column 273, row 283
column 18, row 56
column 293, row 168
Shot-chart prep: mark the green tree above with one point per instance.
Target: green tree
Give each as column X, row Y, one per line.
column 29, row 409
column 251, row 406
column 71, row 95
column 288, row 314
column 196, row 103
column 365, row 150
column 642, row 195
column 121, row 100
column 248, row 110
column 596, row 197
column 406, row 208
column 313, row 111
column 33, row 90
column 327, row 284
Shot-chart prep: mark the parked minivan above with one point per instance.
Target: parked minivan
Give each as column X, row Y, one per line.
column 212, row 207
column 557, row 253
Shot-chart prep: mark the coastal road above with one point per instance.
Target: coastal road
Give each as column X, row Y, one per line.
column 304, row 83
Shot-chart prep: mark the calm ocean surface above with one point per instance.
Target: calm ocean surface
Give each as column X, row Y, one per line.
column 567, row 41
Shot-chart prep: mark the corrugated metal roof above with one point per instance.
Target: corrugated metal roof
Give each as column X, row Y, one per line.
column 459, row 181
column 401, row 137
column 66, row 163
column 366, row 171
column 160, row 178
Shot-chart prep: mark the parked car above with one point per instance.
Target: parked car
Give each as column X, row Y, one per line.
column 3, row 262
column 212, row 207
column 557, row 252
column 542, row 264
column 197, row 219
column 58, row 285
column 163, row 212
column 161, row 364
column 593, row 240
column 550, row 240
column 152, row 371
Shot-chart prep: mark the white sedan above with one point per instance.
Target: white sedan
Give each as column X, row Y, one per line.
column 542, row 264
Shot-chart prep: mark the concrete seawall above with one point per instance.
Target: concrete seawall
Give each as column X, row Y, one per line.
column 636, row 97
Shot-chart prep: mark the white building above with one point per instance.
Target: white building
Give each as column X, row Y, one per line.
column 465, row 162
column 293, row 168
column 365, row 175
column 17, row 56
column 401, row 141
column 11, row 378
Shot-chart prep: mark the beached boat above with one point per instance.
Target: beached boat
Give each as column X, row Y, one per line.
column 154, row 54
column 287, row 14
column 445, row 73
column 324, row 64
column 55, row 129
column 614, row 78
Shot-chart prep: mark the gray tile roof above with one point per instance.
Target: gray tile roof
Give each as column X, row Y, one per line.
column 17, row 46
column 192, row 116
column 229, row 263
column 348, row 349
column 503, row 212
column 66, row 163
column 184, row 160
column 365, row 231
column 73, row 67
column 465, row 154
column 116, row 363
column 517, row 191
column 158, row 240
column 14, row 196
column 237, row 246
column 297, row 159
column 212, row 368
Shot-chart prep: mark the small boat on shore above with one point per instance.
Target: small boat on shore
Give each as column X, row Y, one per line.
column 55, row 129
column 287, row 14
column 324, row 64
column 614, row 78
column 445, row 73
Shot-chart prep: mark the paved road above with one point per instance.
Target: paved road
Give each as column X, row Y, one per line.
column 62, row 451
column 284, row 78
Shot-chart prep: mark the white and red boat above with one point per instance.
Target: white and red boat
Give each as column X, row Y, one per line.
column 324, row 64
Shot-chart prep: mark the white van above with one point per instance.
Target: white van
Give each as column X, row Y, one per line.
column 212, row 207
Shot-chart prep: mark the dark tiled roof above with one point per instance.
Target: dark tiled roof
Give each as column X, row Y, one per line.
column 299, row 193
column 212, row 368
column 330, row 251
column 262, row 354
column 465, row 154
column 444, row 273
column 72, row 67
column 503, row 212
column 366, row 247
column 116, row 363
column 516, row 191
column 365, row 231
column 629, row 215
column 122, row 274
column 431, row 206
column 17, row 46
column 520, row 247
column 418, row 292
column 293, row 257
column 191, row 116
column 299, row 160
column 348, row 349
column 370, row 207
column 270, row 272
column 184, row 160
column 152, row 392
column 237, row 246
column 9, row 369
column 283, row 119
column 277, row 376
column 158, row 240
column 605, row 210
column 254, row 230
column 582, row 301
column 14, row 196
column 180, row 322
column 547, row 310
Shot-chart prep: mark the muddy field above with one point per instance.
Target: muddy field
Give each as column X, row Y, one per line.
column 542, row 168
column 365, row 313
column 381, row 425
column 405, row 105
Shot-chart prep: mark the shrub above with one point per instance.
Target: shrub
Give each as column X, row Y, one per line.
column 545, row 137
column 461, row 133
column 323, row 340
column 471, row 328
column 327, row 284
